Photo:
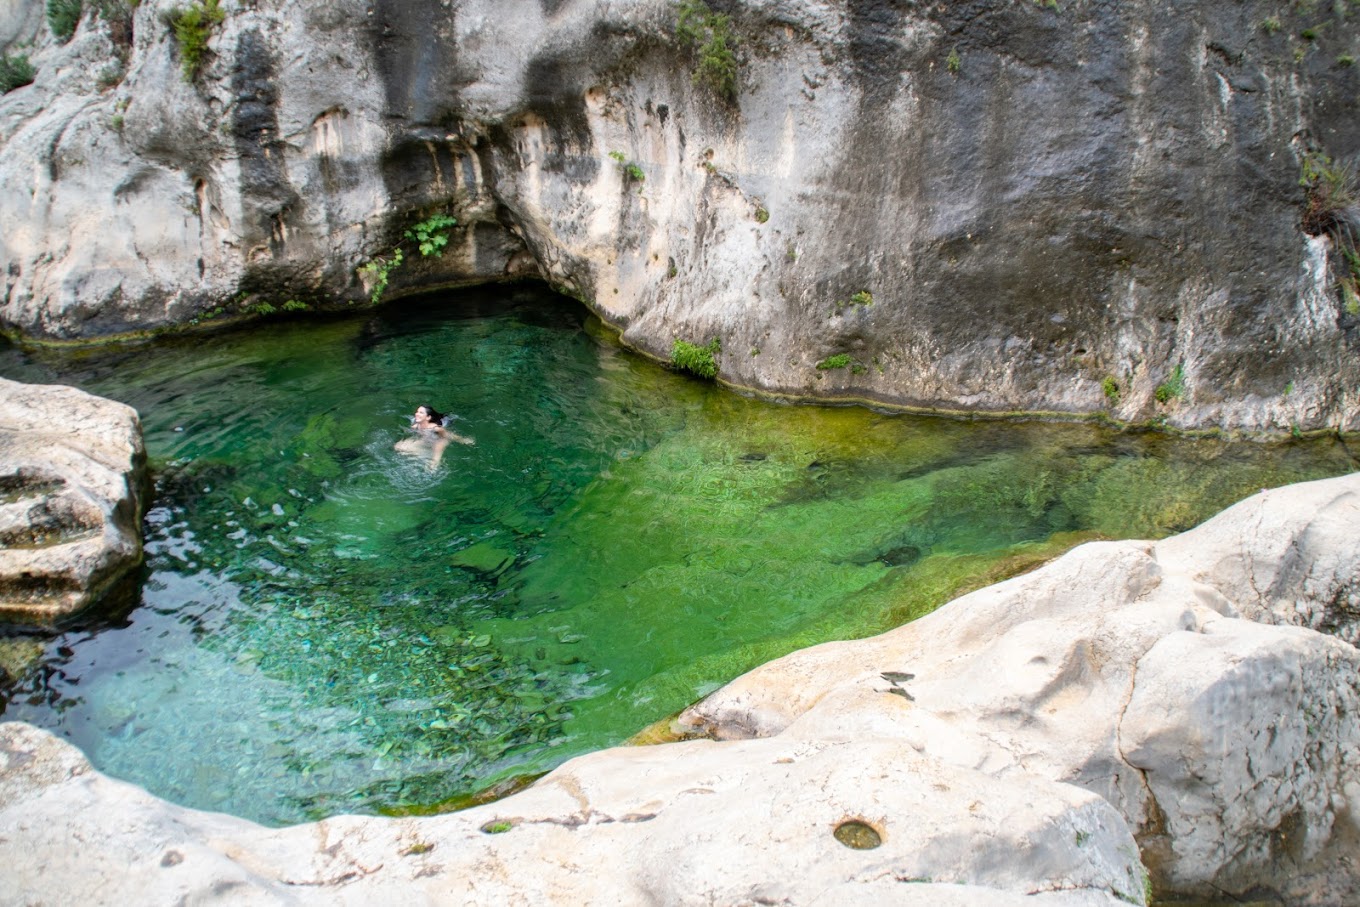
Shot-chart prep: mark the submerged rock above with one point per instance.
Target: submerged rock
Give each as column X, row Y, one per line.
column 1017, row 746
column 72, row 491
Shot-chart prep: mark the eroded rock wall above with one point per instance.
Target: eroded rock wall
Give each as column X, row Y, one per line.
column 1035, row 199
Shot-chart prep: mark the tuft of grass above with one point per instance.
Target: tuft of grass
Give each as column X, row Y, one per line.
column 294, row 305
column 954, row 61
column 710, row 36
column 497, row 828
column 1111, row 389
column 15, row 72
column 193, row 27
column 62, row 17
column 1345, row 60
column 697, row 360
column 762, row 215
column 860, row 298
column 839, row 360
column 1333, row 208
column 1173, row 388
column 1270, row 25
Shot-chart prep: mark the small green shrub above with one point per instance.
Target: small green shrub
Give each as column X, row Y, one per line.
column 110, row 75
column 1345, row 60
column 710, row 35
column 954, row 61
column 1111, row 389
column 116, row 122
column 261, row 309
column 762, row 215
column 193, row 26
column 697, row 360
column 380, row 269
column 497, row 828
column 15, row 72
column 1270, row 25
column 628, row 168
column 1173, row 388
column 839, row 360
column 62, row 17
column 432, row 234
column 294, row 305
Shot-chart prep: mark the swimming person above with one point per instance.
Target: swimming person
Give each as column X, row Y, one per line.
column 431, row 435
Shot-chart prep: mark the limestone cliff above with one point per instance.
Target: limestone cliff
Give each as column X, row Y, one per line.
column 992, row 205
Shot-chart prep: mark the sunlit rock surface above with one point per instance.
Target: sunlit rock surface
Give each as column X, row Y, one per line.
column 72, row 491
column 1158, row 676
column 985, row 206
column 1010, row 748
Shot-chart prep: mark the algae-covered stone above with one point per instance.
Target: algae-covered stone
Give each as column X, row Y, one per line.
column 485, row 558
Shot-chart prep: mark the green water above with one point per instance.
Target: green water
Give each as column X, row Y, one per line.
column 329, row 626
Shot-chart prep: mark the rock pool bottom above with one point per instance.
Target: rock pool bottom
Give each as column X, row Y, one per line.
column 329, row 626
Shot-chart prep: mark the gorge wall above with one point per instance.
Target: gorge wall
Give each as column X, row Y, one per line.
column 983, row 206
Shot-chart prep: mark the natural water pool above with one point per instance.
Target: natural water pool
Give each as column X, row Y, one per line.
column 327, row 626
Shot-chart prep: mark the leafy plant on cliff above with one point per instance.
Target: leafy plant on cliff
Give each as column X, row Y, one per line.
column 62, row 17
column 430, row 236
column 839, row 360
column 380, row 270
column 710, row 35
column 697, row 360
column 1173, row 388
column 193, row 26
column 1111, row 389
column 15, row 72
column 628, row 168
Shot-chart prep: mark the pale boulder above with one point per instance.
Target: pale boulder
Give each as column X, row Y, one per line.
column 72, row 492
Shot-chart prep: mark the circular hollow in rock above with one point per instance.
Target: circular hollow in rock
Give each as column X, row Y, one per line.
column 858, row 835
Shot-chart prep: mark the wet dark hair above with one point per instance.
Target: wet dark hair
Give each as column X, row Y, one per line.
column 435, row 415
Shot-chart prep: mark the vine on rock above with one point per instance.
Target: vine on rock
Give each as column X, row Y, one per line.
column 430, row 237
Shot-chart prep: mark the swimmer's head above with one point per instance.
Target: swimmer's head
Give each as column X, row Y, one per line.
column 427, row 417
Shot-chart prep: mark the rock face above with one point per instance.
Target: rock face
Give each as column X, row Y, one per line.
column 991, row 205
column 72, row 491
column 1008, row 749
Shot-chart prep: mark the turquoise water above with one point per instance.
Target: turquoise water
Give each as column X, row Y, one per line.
column 327, row 625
